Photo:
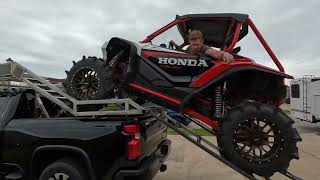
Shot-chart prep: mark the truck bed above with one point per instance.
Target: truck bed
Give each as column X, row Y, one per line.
column 101, row 138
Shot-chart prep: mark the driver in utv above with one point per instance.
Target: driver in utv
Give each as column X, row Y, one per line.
column 196, row 46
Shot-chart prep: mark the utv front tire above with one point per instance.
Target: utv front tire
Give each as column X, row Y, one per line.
column 258, row 138
column 90, row 78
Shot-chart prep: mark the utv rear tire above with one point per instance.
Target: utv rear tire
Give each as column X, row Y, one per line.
column 246, row 140
column 89, row 73
column 69, row 169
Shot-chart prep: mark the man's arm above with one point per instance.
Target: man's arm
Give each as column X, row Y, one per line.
column 227, row 57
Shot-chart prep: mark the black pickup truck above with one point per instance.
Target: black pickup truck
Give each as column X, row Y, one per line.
column 73, row 148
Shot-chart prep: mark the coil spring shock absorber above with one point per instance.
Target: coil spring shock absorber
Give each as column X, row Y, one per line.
column 218, row 101
column 116, row 58
column 117, row 72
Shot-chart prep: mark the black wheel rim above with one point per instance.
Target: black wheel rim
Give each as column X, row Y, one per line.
column 85, row 83
column 258, row 140
column 59, row 176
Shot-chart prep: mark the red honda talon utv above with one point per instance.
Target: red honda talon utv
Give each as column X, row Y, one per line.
column 238, row 100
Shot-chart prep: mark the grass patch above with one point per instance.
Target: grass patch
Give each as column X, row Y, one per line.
column 200, row 132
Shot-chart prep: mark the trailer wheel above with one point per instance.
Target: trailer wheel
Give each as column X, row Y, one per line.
column 89, row 78
column 66, row 169
column 258, row 138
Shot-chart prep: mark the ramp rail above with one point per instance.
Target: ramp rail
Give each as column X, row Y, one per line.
column 13, row 71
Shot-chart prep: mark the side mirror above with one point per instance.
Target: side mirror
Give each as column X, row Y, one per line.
column 236, row 50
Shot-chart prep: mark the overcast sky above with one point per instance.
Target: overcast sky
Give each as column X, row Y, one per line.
column 47, row 35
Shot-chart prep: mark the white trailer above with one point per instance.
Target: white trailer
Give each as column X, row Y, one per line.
column 305, row 98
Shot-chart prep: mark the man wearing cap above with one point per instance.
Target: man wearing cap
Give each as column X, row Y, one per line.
column 196, row 46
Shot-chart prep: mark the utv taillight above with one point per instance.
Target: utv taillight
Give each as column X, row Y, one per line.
column 133, row 146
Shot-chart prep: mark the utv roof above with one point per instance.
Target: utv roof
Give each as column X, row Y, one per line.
column 238, row 17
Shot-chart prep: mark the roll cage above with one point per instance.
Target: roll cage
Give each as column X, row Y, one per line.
column 236, row 29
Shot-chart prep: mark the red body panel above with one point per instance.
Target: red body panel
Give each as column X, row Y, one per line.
column 222, row 67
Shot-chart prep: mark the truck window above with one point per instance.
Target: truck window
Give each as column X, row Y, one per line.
column 8, row 105
column 3, row 103
column 295, row 91
column 25, row 108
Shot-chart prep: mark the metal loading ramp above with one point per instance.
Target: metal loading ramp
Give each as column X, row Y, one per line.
column 13, row 72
